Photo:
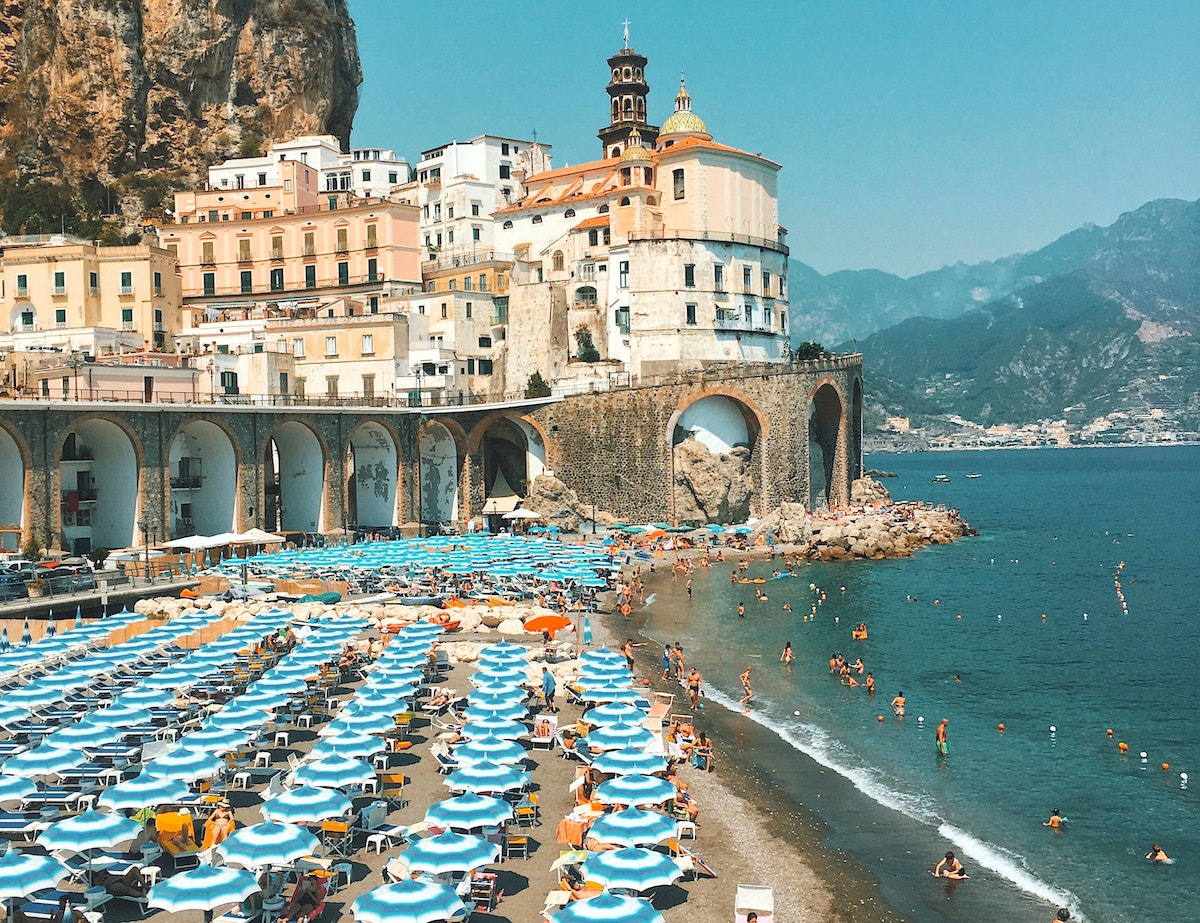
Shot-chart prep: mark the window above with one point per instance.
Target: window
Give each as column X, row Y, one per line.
column 505, row 171
column 243, row 251
column 369, row 387
column 310, row 247
column 767, row 318
column 476, row 234
column 445, row 310
column 368, row 344
column 452, row 285
column 210, row 283
column 484, row 366
column 449, row 212
column 331, row 346
column 437, row 211
column 277, row 279
column 469, row 311
column 624, row 200
column 766, row 279
column 298, row 348
column 27, row 318
column 689, row 275
column 593, row 237
column 468, row 283
column 366, row 176
column 500, row 311
column 585, row 297
column 677, row 183
column 569, row 213
column 719, row 277
column 214, row 215
column 247, row 216
column 372, row 235
column 425, row 210
column 691, row 315
column 746, row 280
column 60, row 283
column 94, row 283
column 126, row 318
column 623, row 274
column 372, row 270
column 474, row 209
column 262, row 179
column 158, row 319
column 537, row 219
column 470, row 366
column 450, row 236
column 206, row 252
column 310, row 276
column 60, row 317
column 281, row 346
column 127, row 283
column 507, row 225
column 158, row 283
column 277, row 247
column 485, row 342
column 559, row 261
column 393, row 177
column 342, row 243
column 483, row 282
column 504, row 148
column 783, row 322
column 331, row 386
column 622, row 320
column 343, row 273
column 626, row 176
column 247, row 281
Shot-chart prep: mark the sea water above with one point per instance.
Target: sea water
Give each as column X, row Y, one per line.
column 1028, row 616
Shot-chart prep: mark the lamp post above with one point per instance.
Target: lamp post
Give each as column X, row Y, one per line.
column 417, row 392
column 141, row 524
column 75, row 363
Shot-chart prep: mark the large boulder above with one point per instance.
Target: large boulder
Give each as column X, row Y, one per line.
column 711, row 487
column 869, row 492
column 789, row 524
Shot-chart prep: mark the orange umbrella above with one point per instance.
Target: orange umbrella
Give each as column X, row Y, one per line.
column 550, row 623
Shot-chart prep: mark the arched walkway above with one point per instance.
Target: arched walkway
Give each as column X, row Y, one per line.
column 825, row 440
column 203, row 479
column 294, row 476
column 510, row 446
column 372, row 474
column 439, row 471
column 12, row 481
column 98, row 482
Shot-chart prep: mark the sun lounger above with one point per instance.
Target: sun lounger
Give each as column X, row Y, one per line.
column 757, row 898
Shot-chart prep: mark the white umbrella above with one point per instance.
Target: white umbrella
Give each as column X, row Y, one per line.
column 522, row 514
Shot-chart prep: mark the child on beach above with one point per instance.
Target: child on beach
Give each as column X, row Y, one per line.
column 950, row 868
column 745, row 678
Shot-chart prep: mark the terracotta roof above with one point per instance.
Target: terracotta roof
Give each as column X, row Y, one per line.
column 689, row 143
column 597, row 221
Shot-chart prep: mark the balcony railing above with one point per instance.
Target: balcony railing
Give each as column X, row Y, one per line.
column 188, row 483
column 721, row 236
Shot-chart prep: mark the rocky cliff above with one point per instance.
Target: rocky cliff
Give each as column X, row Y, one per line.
column 94, row 91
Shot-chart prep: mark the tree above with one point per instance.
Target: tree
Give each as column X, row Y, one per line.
column 536, row 386
column 809, row 350
column 587, row 348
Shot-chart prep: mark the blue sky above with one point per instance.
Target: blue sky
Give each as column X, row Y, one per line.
column 912, row 134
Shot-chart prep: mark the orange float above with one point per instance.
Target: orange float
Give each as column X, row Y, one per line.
column 1123, row 747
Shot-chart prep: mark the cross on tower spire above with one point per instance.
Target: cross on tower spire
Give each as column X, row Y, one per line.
column 626, row 33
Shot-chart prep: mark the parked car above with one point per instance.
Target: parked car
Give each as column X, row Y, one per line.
column 12, row 586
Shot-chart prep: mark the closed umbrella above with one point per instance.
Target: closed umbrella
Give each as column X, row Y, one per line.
column 26, row 634
column 628, row 761
column 51, row 629
column 266, row 844
column 143, row 791
column 469, row 812
column 5, row 646
column 631, row 869
column 450, row 852
column 635, row 790
column 608, row 908
column 334, row 772
column 203, row 888
column 306, row 805
column 409, row 901
column 632, row 827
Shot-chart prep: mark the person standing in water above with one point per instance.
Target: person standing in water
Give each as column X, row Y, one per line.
column 898, row 704
column 741, row 610
column 745, row 678
column 941, row 738
column 787, row 655
column 1055, row 821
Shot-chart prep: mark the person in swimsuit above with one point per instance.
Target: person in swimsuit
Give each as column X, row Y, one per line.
column 942, row 749
column 694, row 684
column 870, row 684
column 787, row 655
column 745, row 678
column 1055, row 820
column 898, row 704
column 950, row 868
column 1156, row 854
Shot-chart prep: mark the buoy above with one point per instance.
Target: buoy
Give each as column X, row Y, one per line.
column 1123, row 747
column 920, row 720
column 1085, row 616
column 796, row 714
column 1043, row 616
column 1109, row 732
column 881, row 717
column 960, row 618
column 1166, row 766
column 999, row 617
column 1183, row 776
column 1000, row 728
column 1143, row 756
column 1053, row 729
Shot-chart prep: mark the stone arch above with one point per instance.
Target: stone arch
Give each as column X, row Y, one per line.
column 100, row 501
column 826, row 445
column 512, row 444
column 442, row 448
column 856, row 431
column 294, row 457
column 203, row 464
column 15, row 460
column 372, row 475
column 716, row 440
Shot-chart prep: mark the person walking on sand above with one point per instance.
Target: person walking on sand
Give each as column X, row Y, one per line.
column 745, row 678
column 695, row 683
column 548, row 687
column 689, row 587
column 942, row 749
column 666, row 660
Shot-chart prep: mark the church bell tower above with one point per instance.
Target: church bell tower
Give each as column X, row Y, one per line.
column 627, row 91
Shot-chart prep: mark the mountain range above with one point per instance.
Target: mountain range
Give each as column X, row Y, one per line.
column 1103, row 320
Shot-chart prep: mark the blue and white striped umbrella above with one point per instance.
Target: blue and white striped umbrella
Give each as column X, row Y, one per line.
column 237, row 715
column 203, row 888
column 21, row 874
column 15, row 788
column 360, row 723
column 609, row 908
column 82, row 734
column 349, row 744
column 502, row 672
column 628, row 761
column 635, row 790
column 269, row 843
column 43, row 761
column 601, row 655
column 513, row 711
column 217, row 740
column 408, row 901
column 618, row 736
column 500, row 728
column 89, row 830
column 450, row 852
column 502, row 699
column 185, row 764
column 610, row 693
column 614, row 713
column 263, row 698
column 334, row 772
column 142, row 791
column 631, row 869
column 600, row 674
column 306, row 805
column 469, row 812
column 632, row 827
column 486, row 777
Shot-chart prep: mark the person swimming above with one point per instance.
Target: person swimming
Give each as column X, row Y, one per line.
column 1156, row 854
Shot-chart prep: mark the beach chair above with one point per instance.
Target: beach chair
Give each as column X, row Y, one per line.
column 336, row 838
column 545, row 729
column 183, row 850
column 757, row 898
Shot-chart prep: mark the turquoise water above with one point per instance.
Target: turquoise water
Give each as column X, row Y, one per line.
column 1054, row 527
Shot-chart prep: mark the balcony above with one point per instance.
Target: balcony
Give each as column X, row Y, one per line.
column 126, row 290
column 277, row 254
column 185, row 483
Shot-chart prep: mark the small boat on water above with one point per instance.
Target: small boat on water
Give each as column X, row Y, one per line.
column 974, row 474
column 941, row 479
